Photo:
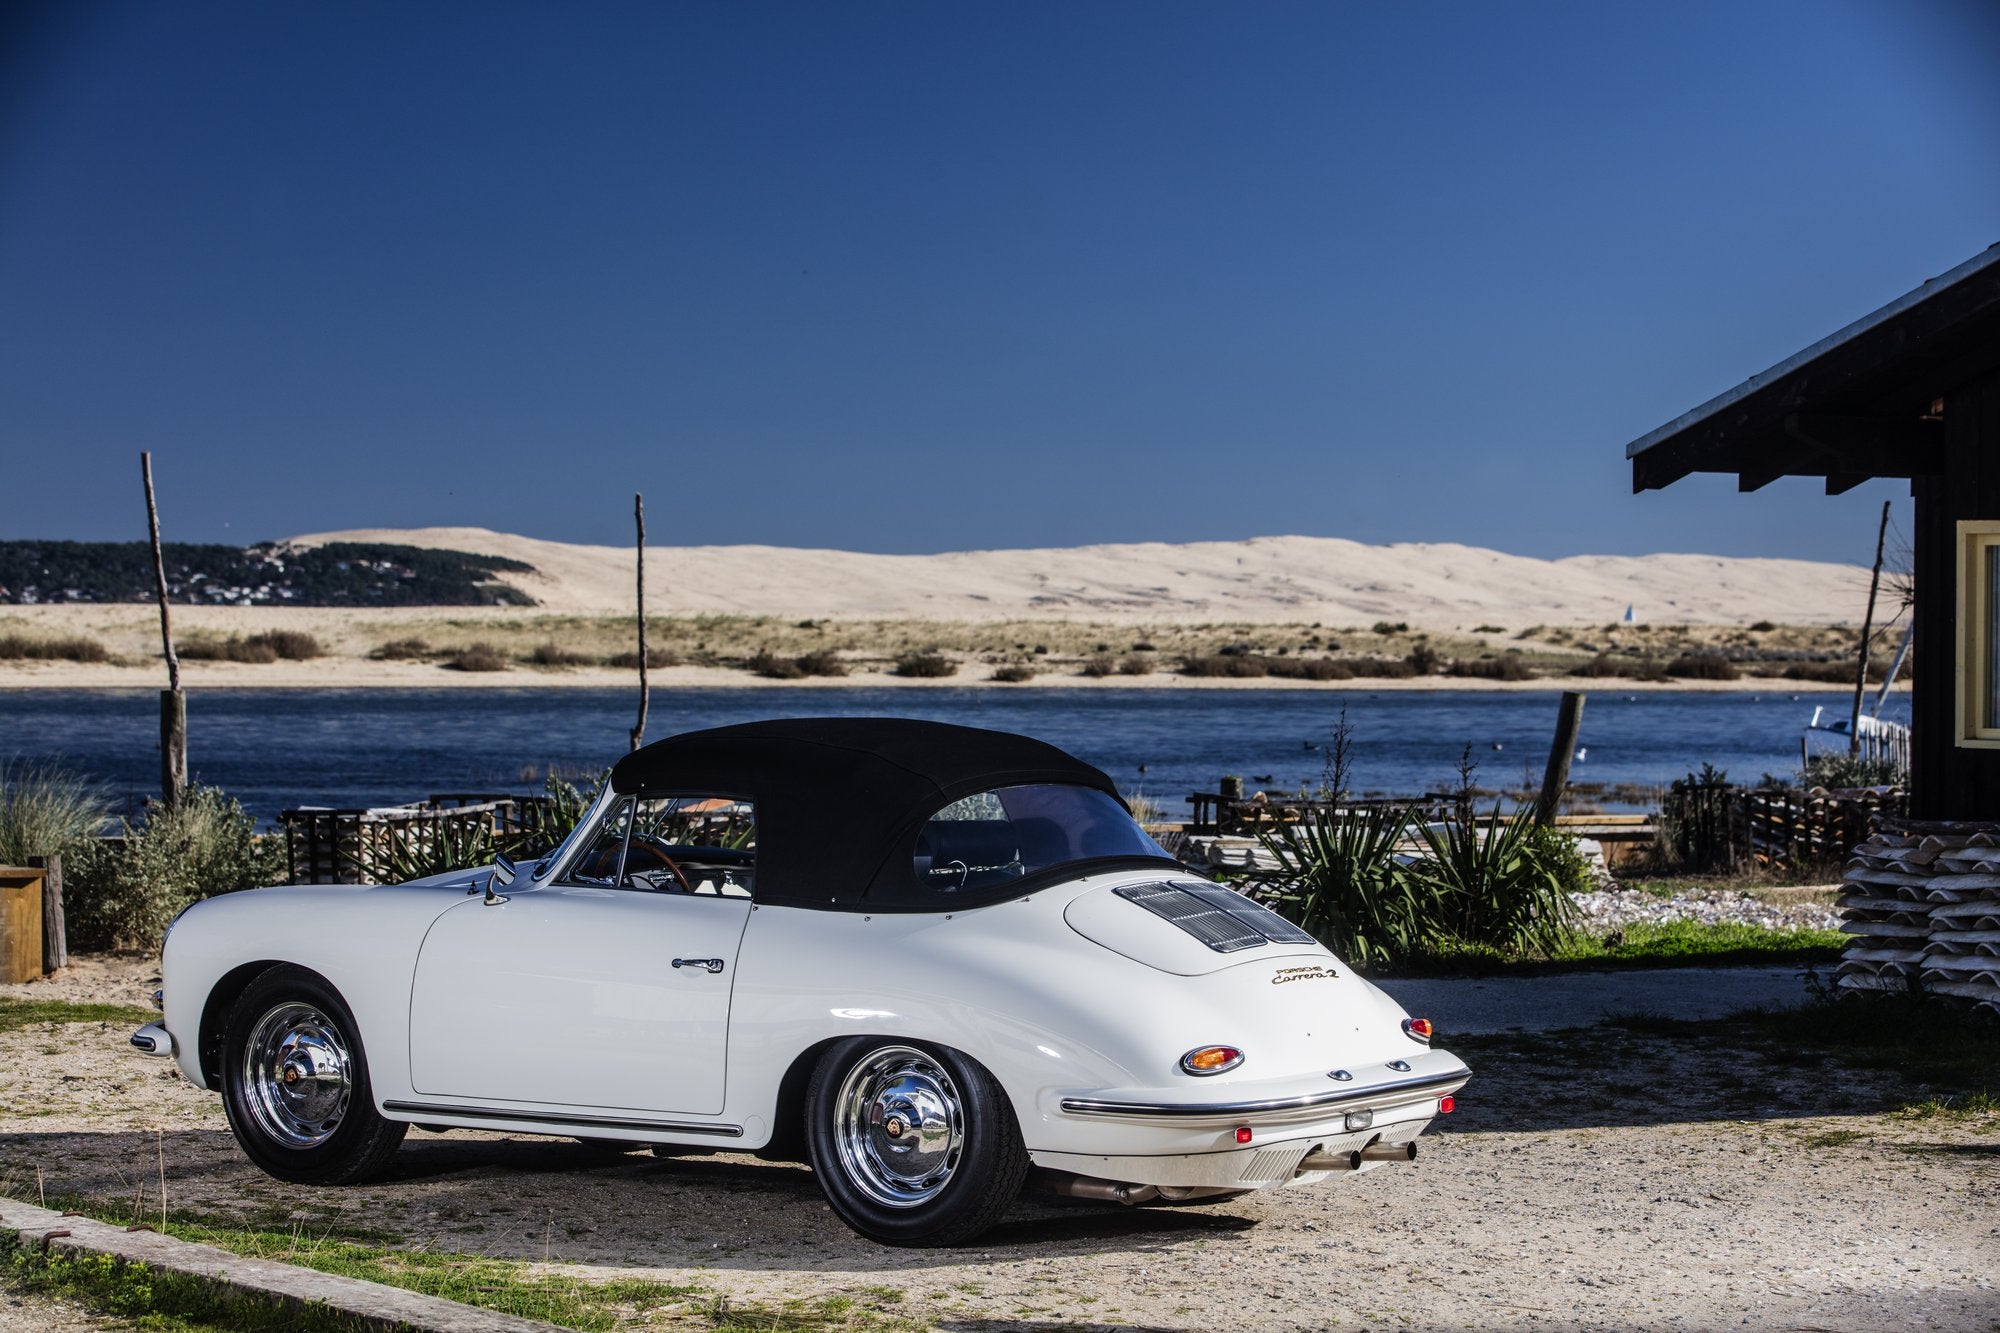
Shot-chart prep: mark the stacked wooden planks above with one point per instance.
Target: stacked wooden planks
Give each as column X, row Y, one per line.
column 1922, row 903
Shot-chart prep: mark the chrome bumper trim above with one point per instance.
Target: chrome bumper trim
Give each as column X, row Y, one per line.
column 553, row 1118
column 1380, row 1094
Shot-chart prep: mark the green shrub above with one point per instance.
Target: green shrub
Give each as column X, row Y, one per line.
column 123, row 891
column 290, row 644
column 47, row 812
column 1233, row 665
column 1013, row 675
column 1840, row 769
column 19, row 647
column 232, row 649
column 776, row 668
column 1135, row 665
column 1388, row 668
column 1490, row 668
column 1341, row 882
column 1097, row 668
column 824, row 662
column 553, row 654
column 401, row 650
column 1703, row 666
column 655, row 658
column 1385, row 628
column 929, row 665
column 1694, row 820
column 477, row 657
column 1499, row 883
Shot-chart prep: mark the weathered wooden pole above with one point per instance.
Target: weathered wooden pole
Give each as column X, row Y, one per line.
column 1867, row 630
column 55, row 936
column 173, row 704
column 1556, row 776
column 639, row 518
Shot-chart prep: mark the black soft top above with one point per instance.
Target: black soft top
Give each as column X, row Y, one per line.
column 840, row 800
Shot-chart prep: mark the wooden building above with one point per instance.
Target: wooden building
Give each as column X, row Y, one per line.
column 1911, row 391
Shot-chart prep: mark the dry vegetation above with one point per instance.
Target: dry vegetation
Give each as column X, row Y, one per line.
column 778, row 648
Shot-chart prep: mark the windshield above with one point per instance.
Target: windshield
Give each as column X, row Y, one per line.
column 988, row 840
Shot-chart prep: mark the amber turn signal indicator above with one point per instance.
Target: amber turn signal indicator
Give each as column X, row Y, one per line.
column 1205, row 1060
column 1418, row 1029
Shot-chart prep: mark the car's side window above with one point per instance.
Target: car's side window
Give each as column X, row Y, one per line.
column 673, row 844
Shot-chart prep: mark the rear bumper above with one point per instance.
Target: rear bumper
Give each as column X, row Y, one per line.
column 1377, row 1097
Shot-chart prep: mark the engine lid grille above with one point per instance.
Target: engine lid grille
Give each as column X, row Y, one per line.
column 1222, row 919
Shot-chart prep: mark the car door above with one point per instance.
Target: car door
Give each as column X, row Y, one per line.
column 600, row 990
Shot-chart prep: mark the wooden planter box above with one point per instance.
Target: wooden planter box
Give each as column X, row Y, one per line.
column 20, row 924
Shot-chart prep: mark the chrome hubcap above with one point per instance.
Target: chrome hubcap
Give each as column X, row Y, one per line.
column 298, row 1074
column 900, row 1126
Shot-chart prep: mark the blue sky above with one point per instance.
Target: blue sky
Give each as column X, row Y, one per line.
column 915, row 277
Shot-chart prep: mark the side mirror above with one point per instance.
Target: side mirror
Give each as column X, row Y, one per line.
column 500, row 878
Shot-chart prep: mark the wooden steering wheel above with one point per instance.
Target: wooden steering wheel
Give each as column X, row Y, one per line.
column 655, row 856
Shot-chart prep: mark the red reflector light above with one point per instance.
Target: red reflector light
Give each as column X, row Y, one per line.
column 1446, row 1105
column 1243, row 1133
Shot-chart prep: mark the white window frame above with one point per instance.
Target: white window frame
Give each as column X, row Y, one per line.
column 1978, row 634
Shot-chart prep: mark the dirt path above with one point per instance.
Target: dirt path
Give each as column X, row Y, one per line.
column 1690, row 1189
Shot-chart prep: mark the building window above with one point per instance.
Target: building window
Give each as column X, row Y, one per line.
column 1979, row 633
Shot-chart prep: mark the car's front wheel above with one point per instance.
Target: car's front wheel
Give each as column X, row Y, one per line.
column 295, row 1083
column 913, row 1144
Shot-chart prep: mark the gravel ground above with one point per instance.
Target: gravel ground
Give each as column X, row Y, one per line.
column 1681, row 1188
column 1774, row 908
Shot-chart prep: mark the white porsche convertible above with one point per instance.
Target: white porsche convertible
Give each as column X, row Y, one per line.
column 927, row 959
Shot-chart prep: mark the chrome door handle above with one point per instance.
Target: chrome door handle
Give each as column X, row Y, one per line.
column 712, row 964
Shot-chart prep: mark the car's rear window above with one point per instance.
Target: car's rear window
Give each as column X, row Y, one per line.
column 991, row 839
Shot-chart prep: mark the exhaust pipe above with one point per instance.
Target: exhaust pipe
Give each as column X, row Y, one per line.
column 1321, row 1160
column 1104, row 1191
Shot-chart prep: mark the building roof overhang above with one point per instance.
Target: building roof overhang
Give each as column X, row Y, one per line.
column 1860, row 403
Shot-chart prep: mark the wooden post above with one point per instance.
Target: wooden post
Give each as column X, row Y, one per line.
column 1867, row 629
column 639, row 519
column 173, row 704
column 55, row 936
column 1556, row 776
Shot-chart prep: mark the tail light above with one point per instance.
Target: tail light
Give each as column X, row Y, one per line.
column 1418, row 1029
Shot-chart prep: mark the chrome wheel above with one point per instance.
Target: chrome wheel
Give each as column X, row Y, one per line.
column 899, row 1126
column 299, row 1075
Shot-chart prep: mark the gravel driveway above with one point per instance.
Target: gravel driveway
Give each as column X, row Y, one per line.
column 1687, row 1188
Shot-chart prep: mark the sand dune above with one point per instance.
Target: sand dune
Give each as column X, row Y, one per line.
column 1265, row 579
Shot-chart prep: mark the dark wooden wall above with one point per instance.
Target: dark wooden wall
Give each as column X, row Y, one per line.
column 1948, row 781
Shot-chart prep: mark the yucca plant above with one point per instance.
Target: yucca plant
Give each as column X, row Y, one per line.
column 1501, row 881
column 1340, row 881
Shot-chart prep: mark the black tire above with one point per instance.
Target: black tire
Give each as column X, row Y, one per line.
column 913, row 1144
column 295, row 1083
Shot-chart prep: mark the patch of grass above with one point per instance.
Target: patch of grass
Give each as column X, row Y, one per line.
column 508, row 1286
column 401, row 650
column 553, row 654
column 1644, row 945
column 1833, row 1138
column 16, row 1014
column 158, row 1301
column 20, row 647
column 1966, row 1106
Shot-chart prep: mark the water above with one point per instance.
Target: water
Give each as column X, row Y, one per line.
column 274, row 749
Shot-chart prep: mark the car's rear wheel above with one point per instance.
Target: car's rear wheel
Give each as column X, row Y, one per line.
column 295, row 1083
column 912, row 1144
